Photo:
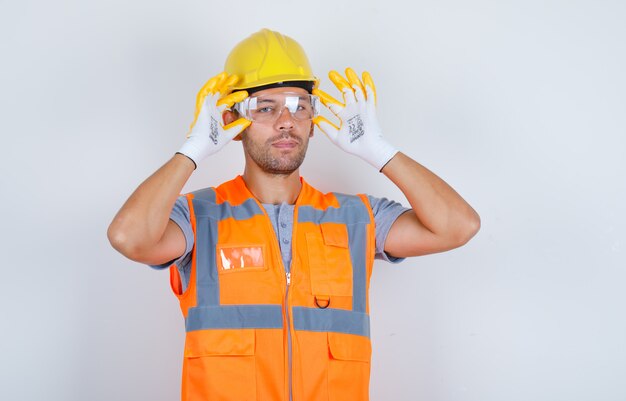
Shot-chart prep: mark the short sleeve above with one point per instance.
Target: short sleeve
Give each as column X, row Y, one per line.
column 180, row 215
column 385, row 214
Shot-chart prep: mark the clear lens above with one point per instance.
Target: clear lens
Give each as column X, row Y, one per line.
column 268, row 108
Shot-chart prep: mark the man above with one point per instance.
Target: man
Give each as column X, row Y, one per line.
column 272, row 275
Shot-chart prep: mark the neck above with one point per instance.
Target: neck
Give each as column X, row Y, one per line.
column 273, row 188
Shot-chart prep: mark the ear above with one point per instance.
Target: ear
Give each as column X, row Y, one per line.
column 228, row 117
column 312, row 130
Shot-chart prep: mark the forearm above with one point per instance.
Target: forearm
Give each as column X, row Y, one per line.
column 142, row 220
column 438, row 207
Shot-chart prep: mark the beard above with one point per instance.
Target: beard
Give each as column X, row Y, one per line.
column 272, row 160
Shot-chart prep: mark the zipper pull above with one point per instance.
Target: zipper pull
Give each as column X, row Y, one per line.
column 288, row 278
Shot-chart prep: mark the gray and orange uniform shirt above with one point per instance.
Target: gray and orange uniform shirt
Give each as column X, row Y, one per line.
column 385, row 214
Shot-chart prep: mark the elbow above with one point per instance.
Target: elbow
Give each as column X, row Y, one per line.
column 471, row 226
column 121, row 242
column 463, row 231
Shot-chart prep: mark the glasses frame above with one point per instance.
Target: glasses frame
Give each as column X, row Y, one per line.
column 243, row 107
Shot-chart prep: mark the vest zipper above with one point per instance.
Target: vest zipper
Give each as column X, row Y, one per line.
column 289, row 351
column 288, row 282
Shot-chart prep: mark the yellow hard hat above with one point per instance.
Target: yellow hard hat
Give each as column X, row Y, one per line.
column 268, row 57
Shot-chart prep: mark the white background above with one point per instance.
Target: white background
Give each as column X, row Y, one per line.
column 519, row 105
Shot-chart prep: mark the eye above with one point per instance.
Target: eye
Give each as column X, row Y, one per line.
column 267, row 109
column 304, row 106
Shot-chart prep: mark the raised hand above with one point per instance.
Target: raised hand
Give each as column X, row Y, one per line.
column 207, row 135
column 358, row 132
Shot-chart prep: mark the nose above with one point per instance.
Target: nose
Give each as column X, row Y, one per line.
column 285, row 120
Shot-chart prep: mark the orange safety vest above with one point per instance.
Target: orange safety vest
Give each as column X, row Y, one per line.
column 258, row 331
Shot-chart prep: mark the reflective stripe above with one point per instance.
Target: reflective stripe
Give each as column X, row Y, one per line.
column 207, row 281
column 235, row 317
column 225, row 210
column 351, row 213
column 208, row 289
column 357, row 235
column 206, row 194
column 335, row 320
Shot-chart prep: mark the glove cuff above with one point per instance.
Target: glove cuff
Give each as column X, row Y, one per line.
column 195, row 166
column 190, row 150
column 384, row 152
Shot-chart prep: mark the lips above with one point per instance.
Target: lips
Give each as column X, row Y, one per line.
column 285, row 144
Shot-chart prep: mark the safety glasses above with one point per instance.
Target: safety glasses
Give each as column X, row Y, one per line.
column 268, row 108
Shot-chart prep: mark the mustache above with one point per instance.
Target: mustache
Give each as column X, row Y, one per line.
column 284, row 135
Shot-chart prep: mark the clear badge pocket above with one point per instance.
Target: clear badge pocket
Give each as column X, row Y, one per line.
column 240, row 258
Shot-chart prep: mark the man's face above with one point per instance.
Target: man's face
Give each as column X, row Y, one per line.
column 278, row 147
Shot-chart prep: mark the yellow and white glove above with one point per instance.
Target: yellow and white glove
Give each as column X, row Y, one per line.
column 359, row 132
column 206, row 134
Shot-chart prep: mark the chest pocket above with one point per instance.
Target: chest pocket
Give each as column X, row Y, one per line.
column 330, row 264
